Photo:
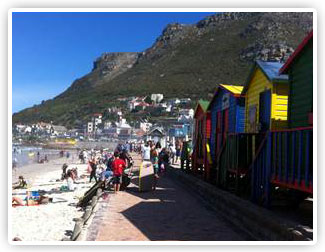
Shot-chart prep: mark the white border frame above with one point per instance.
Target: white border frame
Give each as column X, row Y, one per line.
column 315, row 194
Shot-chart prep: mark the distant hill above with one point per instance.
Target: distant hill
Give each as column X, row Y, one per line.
column 185, row 61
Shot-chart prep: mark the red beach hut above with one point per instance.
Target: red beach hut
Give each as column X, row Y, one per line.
column 201, row 159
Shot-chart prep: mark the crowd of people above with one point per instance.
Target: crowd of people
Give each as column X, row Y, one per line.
column 107, row 166
column 111, row 166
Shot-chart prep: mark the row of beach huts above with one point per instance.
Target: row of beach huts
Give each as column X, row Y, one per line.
column 257, row 138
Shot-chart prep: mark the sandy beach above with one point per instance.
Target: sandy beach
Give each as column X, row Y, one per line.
column 52, row 221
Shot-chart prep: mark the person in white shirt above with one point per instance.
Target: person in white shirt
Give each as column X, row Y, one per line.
column 70, row 184
column 173, row 152
column 146, row 153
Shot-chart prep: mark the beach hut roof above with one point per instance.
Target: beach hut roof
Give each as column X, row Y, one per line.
column 204, row 104
column 296, row 53
column 234, row 90
column 271, row 71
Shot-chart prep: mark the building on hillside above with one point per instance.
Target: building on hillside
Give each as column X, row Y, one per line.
column 123, row 128
column 156, row 134
column 157, row 98
column 58, row 130
column 97, row 118
column 107, row 124
column 141, row 106
column 299, row 67
column 90, row 127
column 266, row 93
column 94, row 123
column 131, row 105
column 20, row 128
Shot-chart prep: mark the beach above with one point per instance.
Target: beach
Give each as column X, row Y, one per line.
column 52, row 221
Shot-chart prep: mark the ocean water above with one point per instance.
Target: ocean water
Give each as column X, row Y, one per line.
column 25, row 155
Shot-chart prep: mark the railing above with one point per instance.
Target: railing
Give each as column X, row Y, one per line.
column 292, row 160
column 234, row 159
column 284, row 160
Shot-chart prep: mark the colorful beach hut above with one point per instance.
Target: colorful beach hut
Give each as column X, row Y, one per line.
column 202, row 124
column 266, row 98
column 227, row 110
column 299, row 67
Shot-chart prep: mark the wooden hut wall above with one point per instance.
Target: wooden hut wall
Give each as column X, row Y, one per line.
column 240, row 115
column 200, row 135
column 215, row 107
column 232, row 114
column 301, row 88
column 213, row 115
column 279, row 109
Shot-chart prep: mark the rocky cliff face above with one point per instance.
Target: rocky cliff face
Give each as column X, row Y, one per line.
column 115, row 63
column 272, row 32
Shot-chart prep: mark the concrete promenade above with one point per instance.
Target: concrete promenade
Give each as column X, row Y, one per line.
column 171, row 213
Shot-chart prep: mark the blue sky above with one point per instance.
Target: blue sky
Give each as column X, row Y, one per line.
column 51, row 50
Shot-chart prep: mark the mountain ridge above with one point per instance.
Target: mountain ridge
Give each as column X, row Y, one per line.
column 184, row 61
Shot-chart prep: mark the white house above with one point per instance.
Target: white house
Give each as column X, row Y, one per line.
column 123, row 128
column 57, row 130
column 28, row 129
column 156, row 98
column 90, row 127
column 157, row 134
column 96, row 119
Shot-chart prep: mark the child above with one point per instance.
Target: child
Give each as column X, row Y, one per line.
column 118, row 166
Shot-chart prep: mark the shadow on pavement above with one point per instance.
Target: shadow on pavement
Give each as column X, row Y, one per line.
column 171, row 213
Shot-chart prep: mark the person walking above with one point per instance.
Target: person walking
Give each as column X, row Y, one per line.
column 172, row 150
column 155, row 168
column 146, row 153
column 93, row 166
column 178, row 150
column 118, row 166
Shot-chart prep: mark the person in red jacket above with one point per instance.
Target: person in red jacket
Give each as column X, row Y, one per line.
column 118, row 166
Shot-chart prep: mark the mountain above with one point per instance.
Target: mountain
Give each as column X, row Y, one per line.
column 184, row 61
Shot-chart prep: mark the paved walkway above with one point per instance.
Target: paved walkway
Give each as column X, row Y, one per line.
column 170, row 213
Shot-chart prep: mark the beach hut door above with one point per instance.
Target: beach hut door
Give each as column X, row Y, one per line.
column 225, row 124
column 218, row 132
column 265, row 110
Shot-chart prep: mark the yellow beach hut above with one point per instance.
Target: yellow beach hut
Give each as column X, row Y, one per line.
column 266, row 93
